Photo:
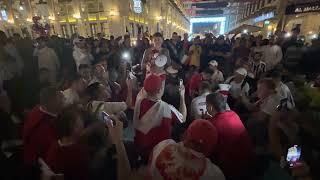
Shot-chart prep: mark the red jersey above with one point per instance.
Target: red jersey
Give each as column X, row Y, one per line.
column 194, row 83
column 146, row 142
column 234, row 153
column 38, row 134
column 70, row 160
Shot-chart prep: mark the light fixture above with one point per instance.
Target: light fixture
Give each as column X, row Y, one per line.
column 287, row 35
column 77, row 16
column 29, row 20
column 11, row 21
column 21, row 8
column 310, row 32
column 245, row 31
column 51, row 18
column 314, row 36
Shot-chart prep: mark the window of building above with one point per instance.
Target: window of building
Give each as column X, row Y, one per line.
column 93, row 29
column 73, row 28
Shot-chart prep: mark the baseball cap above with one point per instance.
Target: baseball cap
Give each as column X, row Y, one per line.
column 204, row 134
column 242, row 71
column 213, row 63
column 152, row 83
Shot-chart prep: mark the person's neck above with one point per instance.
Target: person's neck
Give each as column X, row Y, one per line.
column 152, row 97
column 157, row 48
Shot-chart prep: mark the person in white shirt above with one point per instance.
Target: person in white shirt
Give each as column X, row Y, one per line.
column 81, row 54
column 198, row 104
column 187, row 159
column 283, row 90
column 238, row 84
column 257, row 67
column 72, row 94
column 47, row 58
column 217, row 76
column 273, row 55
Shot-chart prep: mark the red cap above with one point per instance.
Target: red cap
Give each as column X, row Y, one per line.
column 204, row 134
column 152, row 83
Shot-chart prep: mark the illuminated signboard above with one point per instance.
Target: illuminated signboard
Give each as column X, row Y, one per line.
column 303, row 8
column 137, row 6
column 4, row 15
column 264, row 17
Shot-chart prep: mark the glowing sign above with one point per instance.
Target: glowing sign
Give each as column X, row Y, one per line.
column 222, row 21
column 137, row 6
column 4, row 15
column 264, row 17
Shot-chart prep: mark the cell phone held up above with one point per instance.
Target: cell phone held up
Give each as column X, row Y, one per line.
column 293, row 155
column 106, row 118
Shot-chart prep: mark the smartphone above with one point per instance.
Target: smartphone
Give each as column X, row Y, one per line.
column 293, row 155
column 283, row 104
column 181, row 82
column 106, row 118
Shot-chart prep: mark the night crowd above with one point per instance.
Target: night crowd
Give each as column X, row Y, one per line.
column 239, row 107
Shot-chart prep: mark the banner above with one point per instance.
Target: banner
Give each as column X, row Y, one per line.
column 303, row 8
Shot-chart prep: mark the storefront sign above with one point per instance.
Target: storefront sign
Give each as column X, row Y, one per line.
column 137, row 6
column 264, row 17
column 303, row 8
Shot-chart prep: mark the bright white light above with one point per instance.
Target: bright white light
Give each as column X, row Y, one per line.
column 222, row 21
column 314, row 36
column 21, row 8
column 126, row 56
column 134, row 43
column 287, row 35
column 245, row 31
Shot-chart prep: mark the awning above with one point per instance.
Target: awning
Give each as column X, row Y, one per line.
column 249, row 28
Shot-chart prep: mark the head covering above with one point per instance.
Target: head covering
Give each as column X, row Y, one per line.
column 224, row 89
column 78, row 40
column 242, row 71
column 213, row 63
column 161, row 60
column 204, row 134
column 171, row 70
column 152, row 83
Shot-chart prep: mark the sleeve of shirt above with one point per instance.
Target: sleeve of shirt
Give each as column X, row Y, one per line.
column 114, row 107
column 270, row 107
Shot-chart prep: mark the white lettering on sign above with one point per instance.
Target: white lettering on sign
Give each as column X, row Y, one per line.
column 307, row 9
column 137, row 6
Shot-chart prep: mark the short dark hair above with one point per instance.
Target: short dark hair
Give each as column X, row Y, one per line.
column 268, row 82
column 67, row 120
column 217, row 101
column 157, row 34
column 174, row 33
column 92, row 90
column 205, row 85
column 84, row 66
column 47, row 94
column 208, row 71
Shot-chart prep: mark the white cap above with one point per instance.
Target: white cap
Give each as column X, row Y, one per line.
column 224, row 87
column 171, row 70
column 213, row 63
column 242, row 71
column 161, row 60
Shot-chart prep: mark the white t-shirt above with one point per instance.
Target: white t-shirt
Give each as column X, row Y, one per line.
column 236, row 90
column 273, row 56
column 199, row 106
column 174, row 160
column 71, row 96
column 217, row 77
column 284, row 92
column 269, row 104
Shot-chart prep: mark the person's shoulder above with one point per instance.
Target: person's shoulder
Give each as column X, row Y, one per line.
column 213, row 171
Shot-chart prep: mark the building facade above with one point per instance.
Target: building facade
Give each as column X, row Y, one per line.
column 90, row 17
column 262, row 13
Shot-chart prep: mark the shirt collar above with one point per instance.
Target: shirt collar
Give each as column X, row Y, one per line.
column 44, row 110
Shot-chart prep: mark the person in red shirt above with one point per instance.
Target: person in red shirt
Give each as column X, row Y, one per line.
column 39, row 129
column 153, row 118
column 67, row 156
column 196, row 79
column 234, row 153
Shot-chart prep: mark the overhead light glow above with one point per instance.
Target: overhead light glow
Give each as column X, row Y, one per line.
column 21, row 8
column 245, row 31
column 287, row 35
column 222, row 21
column 314, row 36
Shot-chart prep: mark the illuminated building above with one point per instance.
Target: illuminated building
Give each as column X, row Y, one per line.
column 90, row 17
